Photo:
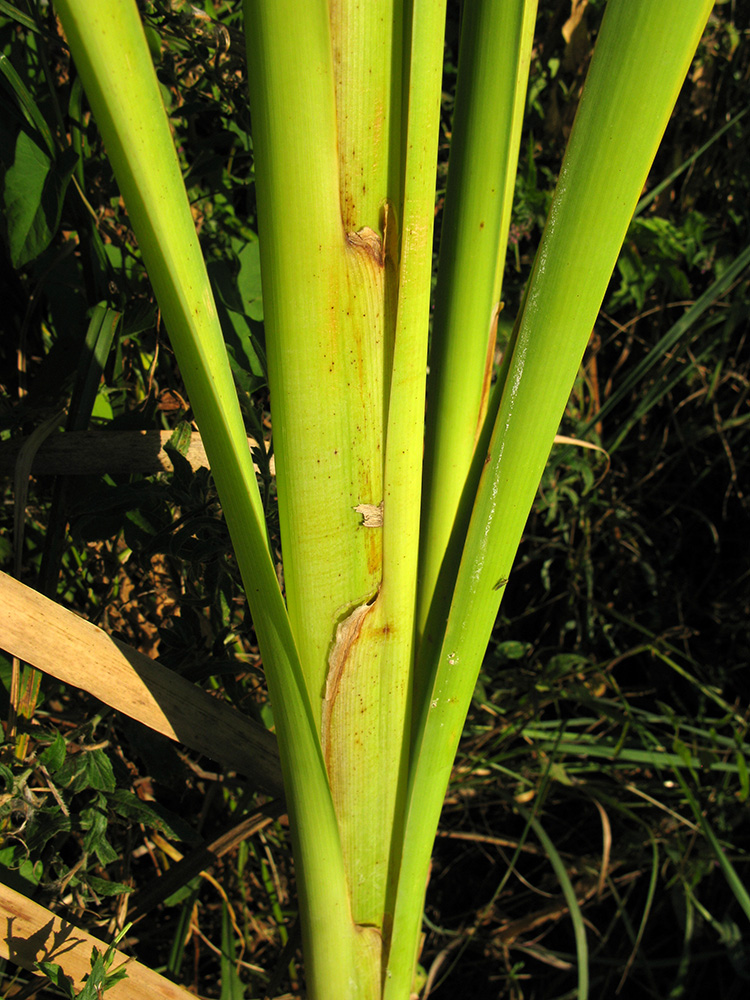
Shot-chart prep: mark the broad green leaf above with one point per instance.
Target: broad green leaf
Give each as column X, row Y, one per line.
column 129, row 806
column 54, row 755
column 32, row 871
column 102, row 887
column 33, row 193
column 98, row 771
column 55, row 974
column 248, row 281
column 94, row 822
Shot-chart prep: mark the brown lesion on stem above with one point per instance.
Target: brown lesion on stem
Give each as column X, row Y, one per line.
column 389, row 223
column 382, row 249
column 489, row 364
column 368, row 241
column 347, row 634
column 372, row 514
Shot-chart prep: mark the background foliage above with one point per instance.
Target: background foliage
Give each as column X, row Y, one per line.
column 613, row 703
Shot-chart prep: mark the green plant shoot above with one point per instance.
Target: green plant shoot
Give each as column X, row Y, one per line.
column 393, row 568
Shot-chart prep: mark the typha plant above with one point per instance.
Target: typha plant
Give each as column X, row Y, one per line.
column 402, row 496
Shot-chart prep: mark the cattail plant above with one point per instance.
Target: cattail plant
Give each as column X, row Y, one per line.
column 398, row 529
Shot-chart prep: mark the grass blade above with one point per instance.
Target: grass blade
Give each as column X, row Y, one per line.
column 734, row 881
column 667, row 343
column 231, row 984
column 649, row 198
column 566, row 885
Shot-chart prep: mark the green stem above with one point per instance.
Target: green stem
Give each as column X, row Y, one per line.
column 112, row 57
column 490, row 100
column 641, row 59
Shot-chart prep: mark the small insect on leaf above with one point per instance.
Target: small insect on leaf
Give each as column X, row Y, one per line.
column 500, row 583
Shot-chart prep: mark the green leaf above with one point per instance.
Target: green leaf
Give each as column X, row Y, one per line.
column 574, row 909
column 735, row 882
column 8, row 855
column 558, row 773
column 32, row 871
column 684, row 754
column 47, row 825
column 742, row 774
column 512, row 649
column 129, row 806
column 180, row 439
column 54, row 755
column 33, row 196
column 25, row 102
column 248, row 281
column 231, row 984
column 248, row 371
column 183, row 892
column 55, row 974
column 139, row 530
column 99, row 980
column 102, row 408
column 238, row 311
column 16, row 15
column 102, row 887
column 566, row 663
column 95, row 822
column 99, row 771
